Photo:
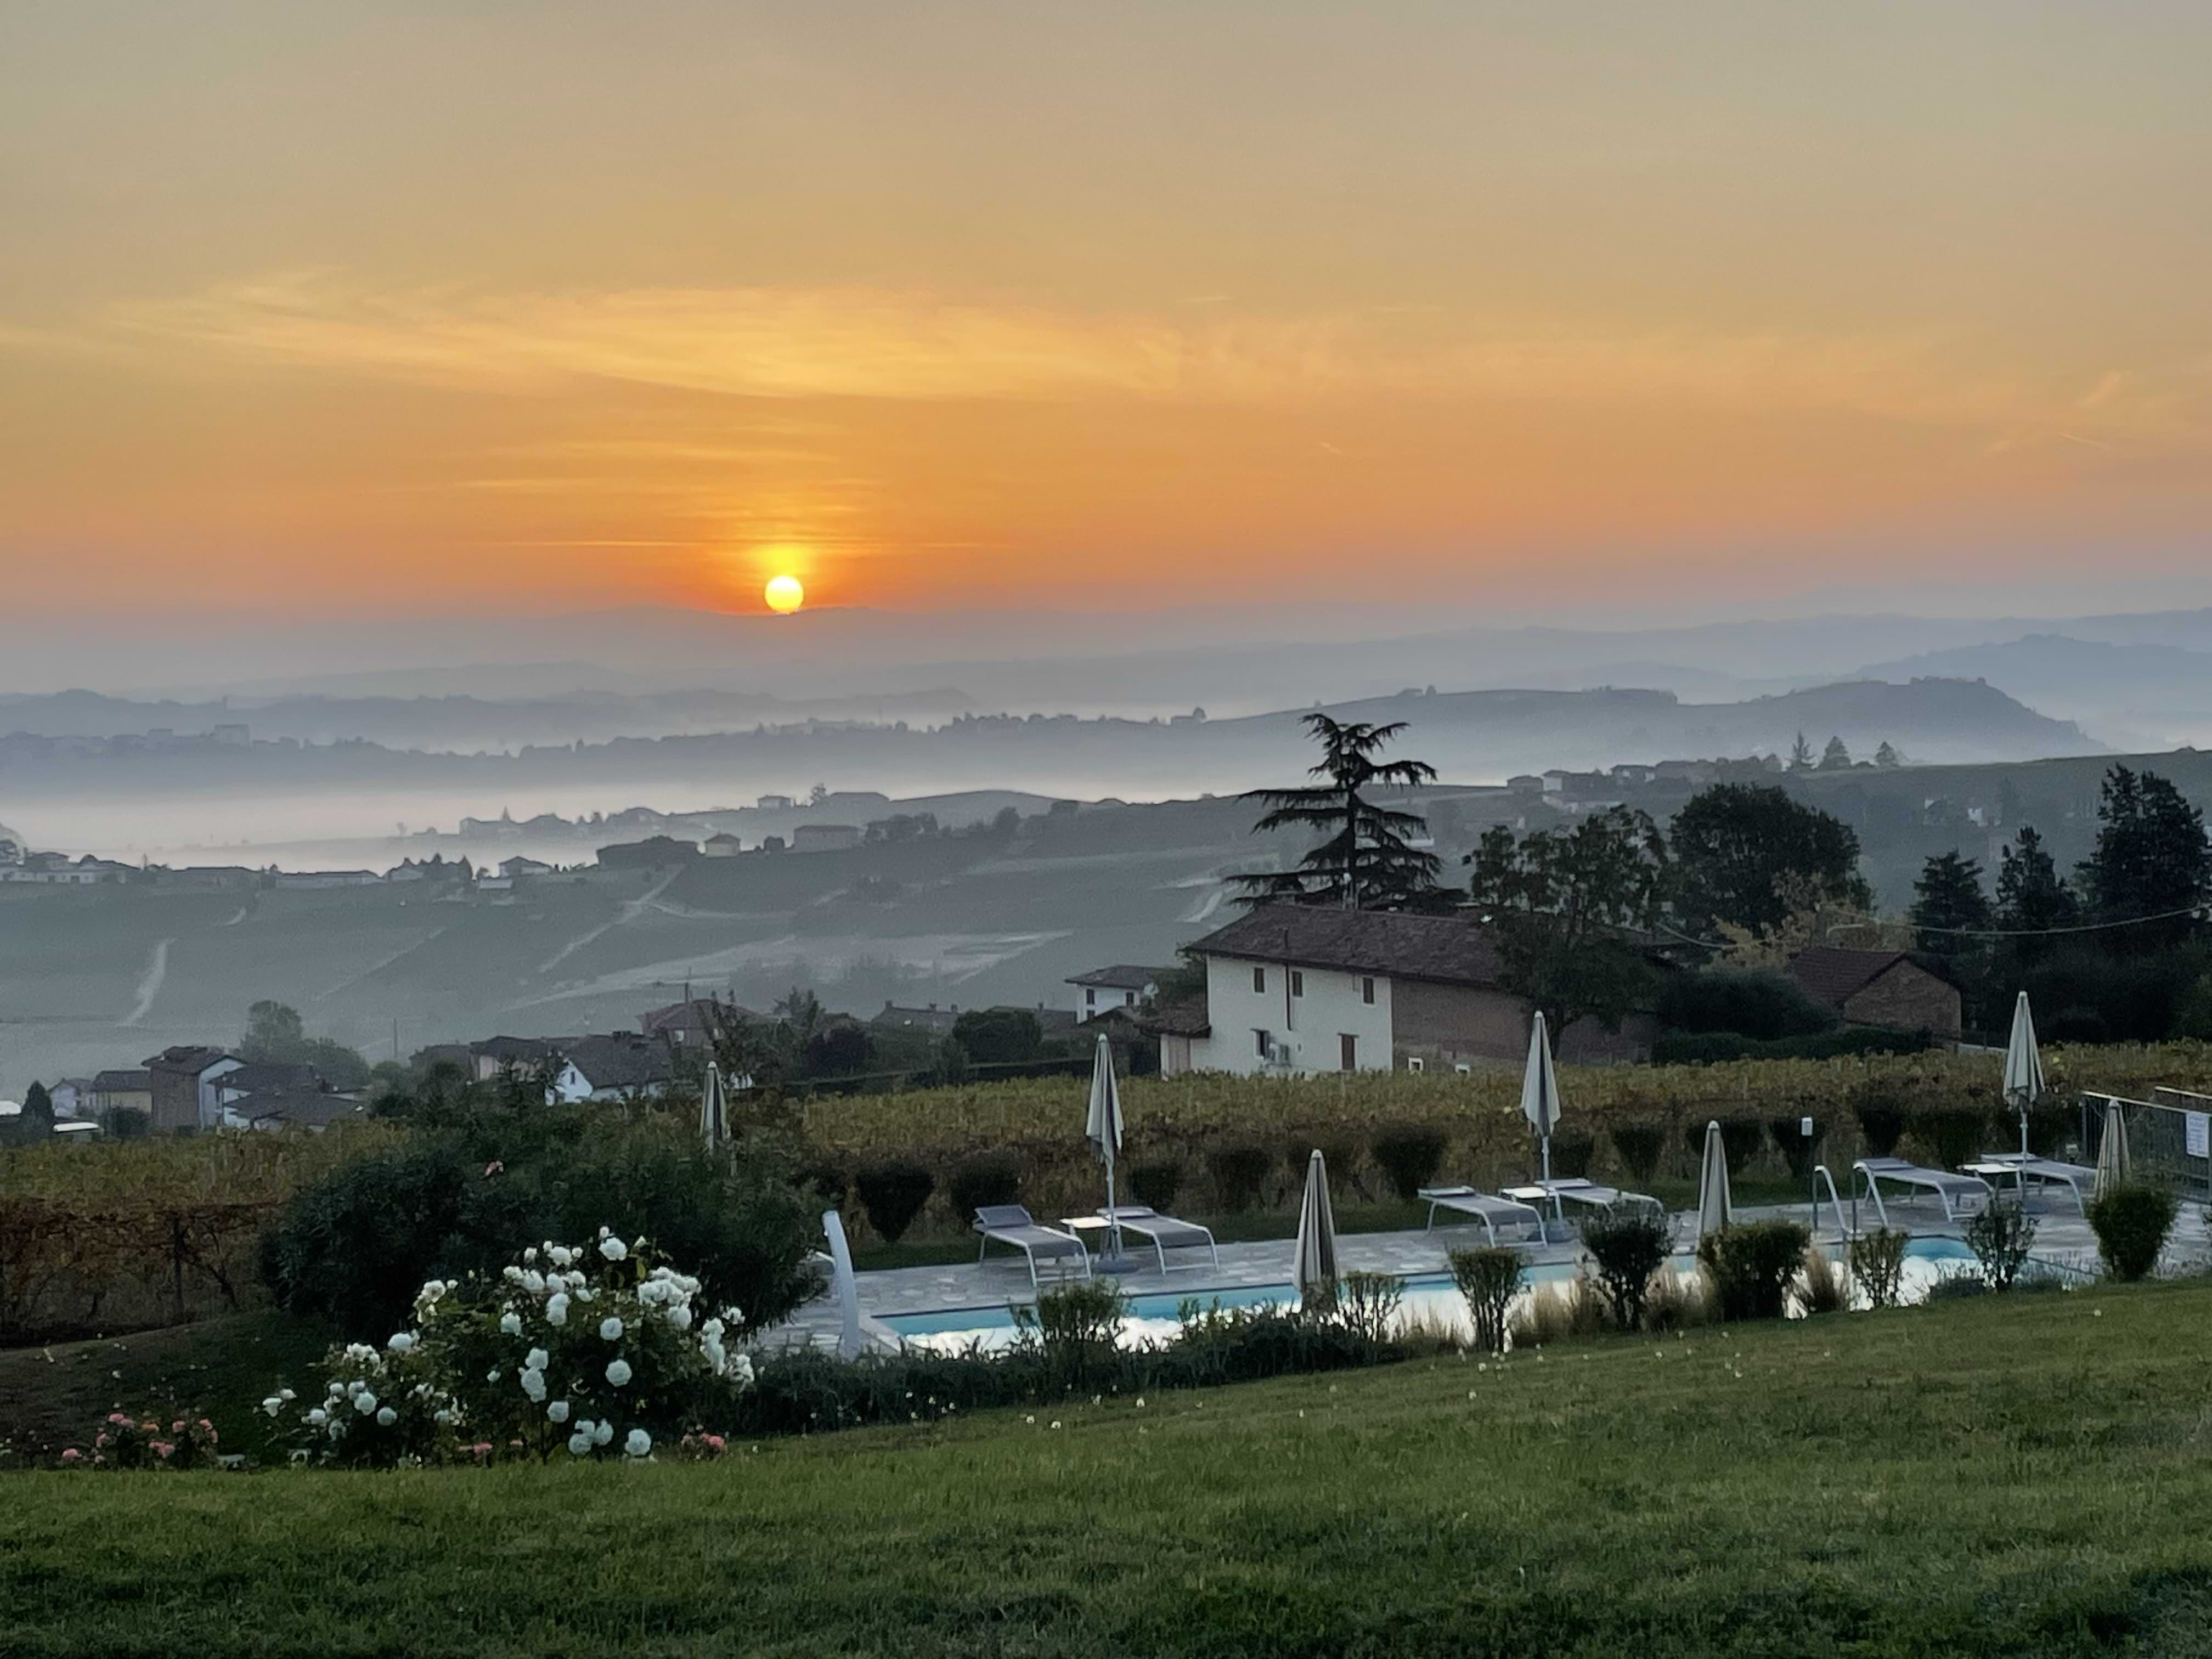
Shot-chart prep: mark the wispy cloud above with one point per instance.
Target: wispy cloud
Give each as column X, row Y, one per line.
column 849, row 343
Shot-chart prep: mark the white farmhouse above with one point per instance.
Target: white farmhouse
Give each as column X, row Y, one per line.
column 1121, row 986
column 1300, row 989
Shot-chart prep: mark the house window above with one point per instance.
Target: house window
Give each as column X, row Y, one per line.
column 1297, row 983
column 1128, row 999
column 1414, row 1063
column 1259, row 981
column 1090, row 999
column 1347, row 1051
column 1260, row 1043
column 1367, row 992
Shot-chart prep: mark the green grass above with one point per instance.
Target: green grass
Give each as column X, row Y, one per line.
column 2007, row 1476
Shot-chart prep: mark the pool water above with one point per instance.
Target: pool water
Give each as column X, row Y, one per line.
column 1431, row 1298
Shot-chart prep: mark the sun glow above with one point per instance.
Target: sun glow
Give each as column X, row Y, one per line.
column 785, row 595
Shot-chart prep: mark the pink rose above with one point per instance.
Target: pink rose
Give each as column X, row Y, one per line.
column 71, row 1455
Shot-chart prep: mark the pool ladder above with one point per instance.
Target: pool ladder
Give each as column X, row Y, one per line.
column 1846, row 1231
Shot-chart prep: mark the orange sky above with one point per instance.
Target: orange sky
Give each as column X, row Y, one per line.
column 983, row 304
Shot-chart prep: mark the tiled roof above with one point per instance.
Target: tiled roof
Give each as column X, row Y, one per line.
column 1835, row 976
column 1121, row 976
column 138, row 1082
column 193, row 1057
column 1447, row 950
column 517, row 1048
column 308, row 1107
column 620, row 1061
column 1186, row 1018
column 256, row 1076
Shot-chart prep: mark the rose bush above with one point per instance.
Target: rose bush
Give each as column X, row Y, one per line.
column 596, row 1350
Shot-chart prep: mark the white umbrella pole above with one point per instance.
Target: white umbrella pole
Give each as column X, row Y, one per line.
column 1558, row 1214
column 1112, row 1217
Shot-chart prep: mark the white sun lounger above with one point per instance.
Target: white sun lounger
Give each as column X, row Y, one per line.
column 1959, row 1195
column 1011, row 1225
column 1163, row 1232
column 2024, row 1167
column 1491, row 1211
column 1573, row 1189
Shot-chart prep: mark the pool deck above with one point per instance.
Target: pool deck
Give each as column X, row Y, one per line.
column 2063, row 1238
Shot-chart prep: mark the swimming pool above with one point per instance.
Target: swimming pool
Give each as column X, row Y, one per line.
column 1431, row 1298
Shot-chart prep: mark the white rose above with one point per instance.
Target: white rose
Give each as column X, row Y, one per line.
column 364, row 1402
column 680, row 1316
column 557, row 1412
column 286, row 1394
column 385, row 1416
column 637, row 1443
column 743, row 1371
column 562, row 1255
column 610, row 1329
column 533, row 1384
column 510, row 1324
column 492, row 1376
column 401, row 1341
column 318, row 1417
column 580, row 1444
column 603, row 1434
column 613, row 1249
column 272, row 1404
column 556, row 1311
column 530, row 1255
column 618, row 1372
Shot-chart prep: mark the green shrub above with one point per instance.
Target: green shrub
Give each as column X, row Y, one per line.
column 892, row 1193
column 1489, row 1278
column 1558, row 1312
column 1410, row 1155
column 1759, row 1003
column 1877, row 1261
column 1674, row 1301
column 990, row 1178
column 2000, row 1234
column 1750, row 1266
column 1879, row 1105
column 1627, row 1243
column 1741, row 1140
column 2131, row 1223
column 1953, row 1137
column 1077, row 1328
column 1156, row 1183
column 1958, row 1287
column 1366, row 1303
column 1572, row 1153
column 1642, row 1145
column 1239, row 1171
column 1682, row 1049
column 1799, row 1150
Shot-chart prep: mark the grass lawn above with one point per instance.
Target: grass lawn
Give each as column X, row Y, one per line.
column 2028, row 1475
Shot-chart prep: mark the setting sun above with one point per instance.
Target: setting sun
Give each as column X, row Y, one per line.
column 785, row 595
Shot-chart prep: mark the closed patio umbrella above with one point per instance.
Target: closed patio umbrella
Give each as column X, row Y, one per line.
column 1713, row 1205
column 849, row 1343
column 2023, row 1071
column 1103, row 1130
column 713, row 1109
column 1540, row 1097
column 1316, row 1269
column 2116, row 1165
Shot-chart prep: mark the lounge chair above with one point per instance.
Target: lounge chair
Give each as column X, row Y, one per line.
column 1163, row 1232
column 1011, row 1224
column 1573, row 1189
column 1491, row 1211
column 1959, row 1195
column 2025, row 1167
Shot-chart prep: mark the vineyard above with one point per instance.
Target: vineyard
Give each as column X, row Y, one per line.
column 1942, row 1101
column 125, row 1235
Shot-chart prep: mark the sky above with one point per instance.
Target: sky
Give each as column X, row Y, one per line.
column 1502, row 310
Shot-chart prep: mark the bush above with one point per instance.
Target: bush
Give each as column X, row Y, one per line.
column 1239, row 1171
column 1557, row 1313
column 1410, row 1155
column 1752, row 1265
column 1674, row 1302
column 991, row 1178
column 1760, row 1003
column 2000, row 1234
column 1800, row 1151
column 2131, row 1223
column 1953, row 1137
column 1571, row 1151
column 1366, row 1303
column 1489, row 1278
column 1680, row 1049
column 122, row 1442
column 1877, row 1261
column 1823, row 1292
column 1156, row 1183
column 1879, row 1103
column 1627, row 1243
column 1957, row 1287
column 1077, row 1327
column 1741, row 1140
column 892, row 1193
column 1642, row 1145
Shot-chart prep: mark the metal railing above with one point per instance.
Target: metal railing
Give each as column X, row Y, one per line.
column 2161, row 1134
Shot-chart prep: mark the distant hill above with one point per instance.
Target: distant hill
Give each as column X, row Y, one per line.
column 2133, row 695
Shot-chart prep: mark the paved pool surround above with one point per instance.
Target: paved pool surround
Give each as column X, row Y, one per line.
column 2063, row 1238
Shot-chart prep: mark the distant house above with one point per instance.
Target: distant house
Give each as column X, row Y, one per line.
column 1888, row 989
column 184, row 1080
column 1177, row 1026
column 690, row 1025
column 619, row 1067
column 211, row 877
column 518, row 866
column 1119, row 987
column 123, row 1091
column 723, row 845
column 1299, row 989
column 774, row 803
column 933, row 1019
column 1525, row 783
column 305, row 1109
column 496, row 1054
column 261, row 1077
column 72, row 1097
column 825, row 837
column 54, row 870
column 313, row 879
column 232, row 736
column 653, row 852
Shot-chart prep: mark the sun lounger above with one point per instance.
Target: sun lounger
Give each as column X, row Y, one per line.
column 1491, row 1212
column 2025, row 1167
column 1573, row 1189
column 1011, row 1225
column 1163, row 1232
column 1959, row 1195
